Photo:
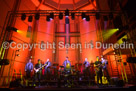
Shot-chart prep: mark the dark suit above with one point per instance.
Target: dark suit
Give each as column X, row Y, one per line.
column 47, row 70
column 38, row 74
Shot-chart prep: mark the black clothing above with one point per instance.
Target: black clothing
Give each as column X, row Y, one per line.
column 99, row 72
column 38, row 74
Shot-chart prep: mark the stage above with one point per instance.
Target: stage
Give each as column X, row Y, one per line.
column 80, row 85
column 127, row 87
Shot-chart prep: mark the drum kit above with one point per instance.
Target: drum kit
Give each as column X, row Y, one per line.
column 59, row 71
column 69, row 76
column 73, row 70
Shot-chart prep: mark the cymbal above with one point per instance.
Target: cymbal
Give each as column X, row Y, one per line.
column 74, row 70
column 49, row 67
column 72, row 65
column 54, row 67
column 62, row 66
column 78, row 71
column 55, row 64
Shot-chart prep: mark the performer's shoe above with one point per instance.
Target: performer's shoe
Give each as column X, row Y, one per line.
column 34, row 84
column 100, row 85
column 39, row 85
column 65, row 85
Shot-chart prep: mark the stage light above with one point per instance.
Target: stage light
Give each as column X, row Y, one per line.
column 10, row 41
column 122, row 36
column 117, row 29
column 51, row 16
column 60, row 15
column 18, row 50
column 105, row 18
column 97, row 15
column 110, row 15
column 48, row 18
column 72, row 16
column 30, row 18
column 37, row 16
column 87, row 18
column 121, row 28
column 23, row 16
column 109, row 33
column 19, row 31
column 17, row 55
column 67, row 12
column 83, row 16
column 31, row 57
column 11, row 28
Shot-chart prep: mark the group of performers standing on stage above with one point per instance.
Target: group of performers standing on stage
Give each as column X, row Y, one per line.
column 38, row 70
column 100, row 68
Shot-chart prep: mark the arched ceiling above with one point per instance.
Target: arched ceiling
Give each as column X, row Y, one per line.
column 65, row 4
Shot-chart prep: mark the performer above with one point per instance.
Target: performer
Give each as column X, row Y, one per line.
column 38, row 71
column 67, row 70
column 104, row 68
column 67, row 65
column 29, row 69
column 47, row 69
column 98, row 69
column 86, row 68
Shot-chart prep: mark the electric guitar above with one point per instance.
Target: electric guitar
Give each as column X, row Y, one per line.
column 37, row 70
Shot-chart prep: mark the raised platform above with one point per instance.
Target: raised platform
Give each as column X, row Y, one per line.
column 81, row 88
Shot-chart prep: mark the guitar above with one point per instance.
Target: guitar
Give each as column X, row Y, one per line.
column 37, row 70
column 97, row 67
column 68, row 66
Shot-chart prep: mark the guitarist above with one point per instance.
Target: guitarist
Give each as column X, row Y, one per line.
column 67, row 70
column 29, row 69
column 105, row 70
column 67, row 65
column 98, row 70
column 86, row 68
column 47, row 69
column 39, row 73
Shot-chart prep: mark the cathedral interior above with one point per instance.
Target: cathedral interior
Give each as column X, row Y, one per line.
column 55, row 30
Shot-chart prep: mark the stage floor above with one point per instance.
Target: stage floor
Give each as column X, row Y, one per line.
column 127, row 87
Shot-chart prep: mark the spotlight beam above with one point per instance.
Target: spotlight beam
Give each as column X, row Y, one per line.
column 109, row 33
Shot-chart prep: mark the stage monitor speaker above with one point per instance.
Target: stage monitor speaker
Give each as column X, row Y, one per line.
column 114, row 80
column 120, row 83
column 4, row 62
column 131, row 59
column 15, row 83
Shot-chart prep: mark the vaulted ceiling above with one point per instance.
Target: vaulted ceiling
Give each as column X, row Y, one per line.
column 65, row 4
